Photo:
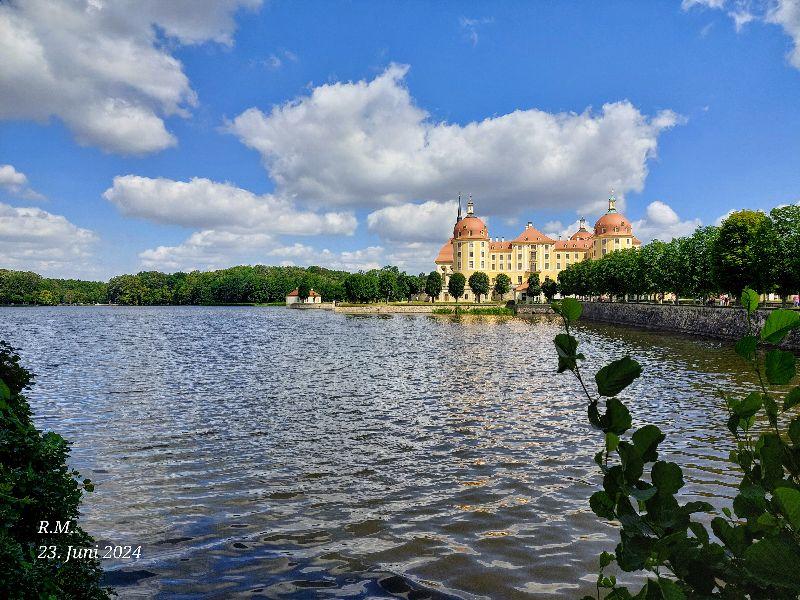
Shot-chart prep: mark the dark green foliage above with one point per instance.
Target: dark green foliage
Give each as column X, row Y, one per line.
column 738, row 256
column 502, row 284
column 757, row 548
column 534, row 287
column 36, row 484
column 433, row 285
column 303, row 291
column 750, row 248
column 24, row 287
column 479, row 284
column 549, row 289
column 784, row 253
column 456, row 285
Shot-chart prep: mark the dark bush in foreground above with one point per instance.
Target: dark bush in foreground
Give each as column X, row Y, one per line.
column 37, row 485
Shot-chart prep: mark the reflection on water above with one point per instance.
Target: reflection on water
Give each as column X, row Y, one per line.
column 264, row 452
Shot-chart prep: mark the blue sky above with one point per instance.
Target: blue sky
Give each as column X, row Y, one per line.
column 182, row 135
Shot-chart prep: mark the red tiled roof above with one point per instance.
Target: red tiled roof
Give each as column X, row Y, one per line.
column 446, row 253
column 577, row 245
column 311, row 294
column 533, row 236
column 499, row 246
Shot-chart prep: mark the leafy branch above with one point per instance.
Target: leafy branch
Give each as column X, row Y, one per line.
column 756, row 548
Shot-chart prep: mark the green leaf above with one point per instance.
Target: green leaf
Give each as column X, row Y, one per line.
column 794, row 431
column 749, row 300
column 612, row 441
column 699, row 532
column 770, row 450
column 792, row 399
column 746, row 347
column 747, row 407
column 667, row 477
column 779, row 323
column 632, row 463
column 734, row 538
column 617, row 418
column 779, row 366
column 616, row 376
column 571, row 309
column 789, row 503
column 774, row 561
column 5, row 393
column 647, row 440
column 606, row 558
column 670, row 590
column 602, row 505
column 566, row 347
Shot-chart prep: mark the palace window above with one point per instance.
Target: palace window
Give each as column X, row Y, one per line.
column 472, row 267
column 483, row 253
column 547, row 266
column 483, row 265
column 519, row 279
column 466, row 296
column 471, row 254
column 501, row 266
column 616, row 241
column 558, row 266
column 519, row 266
column 546, row 256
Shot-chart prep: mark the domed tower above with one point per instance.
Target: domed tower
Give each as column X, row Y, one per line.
column 613, row 231
column 582, row 234
column 470, row 242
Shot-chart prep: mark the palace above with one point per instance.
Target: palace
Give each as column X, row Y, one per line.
column 471, row 249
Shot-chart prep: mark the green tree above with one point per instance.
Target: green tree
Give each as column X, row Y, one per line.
column 479, row 284
column 697, row 268
column 737, row 256
column 387, row 283
column 502, row 285
column 433, row 285
column 549, row 289
column 534, row 287
column 456, row 285
column 37, row 484
column 784, row 255
column 303, row 291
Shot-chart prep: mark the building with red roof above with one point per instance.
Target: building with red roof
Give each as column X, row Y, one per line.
column 471, row 249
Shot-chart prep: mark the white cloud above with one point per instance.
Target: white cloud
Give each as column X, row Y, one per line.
column 663, row 223
column 16, row 183
column 785, row 13
column 429, row 221
column 206, row 204
column 372, row 257
column 687, row 4
column 36, row 240
column 470, row 27
column 209, row 249
column 102, row 66
column 367, row 144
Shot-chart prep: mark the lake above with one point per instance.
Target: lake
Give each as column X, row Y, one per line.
column 274, row 453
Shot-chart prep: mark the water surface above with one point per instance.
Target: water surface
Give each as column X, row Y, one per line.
column 271, row 453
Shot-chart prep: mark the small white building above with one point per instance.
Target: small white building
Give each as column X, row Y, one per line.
column 293, row 297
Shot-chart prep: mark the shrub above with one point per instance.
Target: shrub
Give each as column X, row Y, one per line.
column 36, row 484
column 757, row 547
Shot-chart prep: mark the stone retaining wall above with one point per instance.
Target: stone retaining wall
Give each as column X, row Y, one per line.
column 534, row 309
column 712, row 321
column 379, row 309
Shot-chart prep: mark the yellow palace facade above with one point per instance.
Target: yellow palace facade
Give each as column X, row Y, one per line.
column 471, row 249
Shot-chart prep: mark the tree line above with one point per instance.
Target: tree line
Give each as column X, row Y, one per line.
column 257, row 284
column 749, row 249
